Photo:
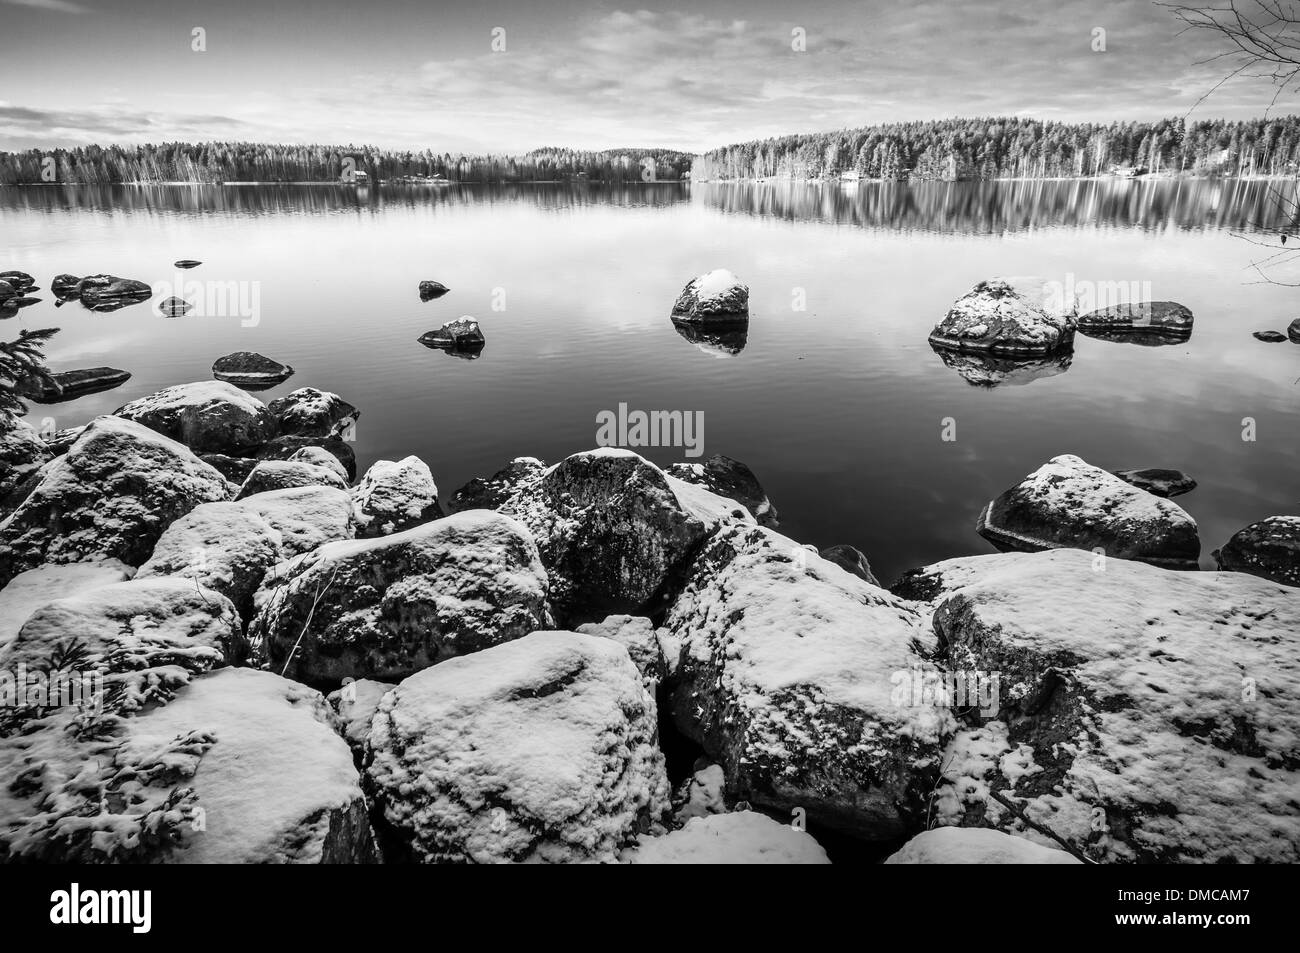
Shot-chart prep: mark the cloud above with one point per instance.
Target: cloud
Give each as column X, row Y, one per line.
column 53, row 6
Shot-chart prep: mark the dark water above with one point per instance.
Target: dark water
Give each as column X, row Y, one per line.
column 838, row 408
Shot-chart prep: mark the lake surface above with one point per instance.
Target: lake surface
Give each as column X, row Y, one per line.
column 839, row 408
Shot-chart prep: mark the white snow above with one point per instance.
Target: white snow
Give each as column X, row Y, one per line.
column 742, row 837
column 195, row 394
column 393, row 493
column 975, row 845
column 30, row 590
column 715, row 283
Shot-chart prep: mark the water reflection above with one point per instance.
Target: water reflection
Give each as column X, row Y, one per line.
column 986, row 370
column 1145, row 337
column 718, row 342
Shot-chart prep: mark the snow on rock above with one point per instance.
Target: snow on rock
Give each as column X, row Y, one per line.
column 1151, row 715
column 308, row 412
column 1008, row 316
column 637, row 635
column 387, row 607
column 111, row 495
column 284, row 474
column 277, row 785
column 715, row 295
column 22, row 452
column 206, row 416
column 613, row 530
column 304, row 516
column 320, row 457
column 147, row 637
column 731, row 479
column 284, row 448
column 742, row 837
column 785, row 677
column 700, row 795
column 1067, row 502
column 30, row 590
column 958, row 845
column 395, row 496
column 355, row 704
column 1268, row 548
column 540, row 750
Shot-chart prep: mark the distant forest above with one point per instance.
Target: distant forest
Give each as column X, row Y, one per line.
column 954, row 149
column 261, row 162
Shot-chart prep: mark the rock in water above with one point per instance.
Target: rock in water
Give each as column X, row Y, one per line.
column 111, row 495
column 109, row 293
column 463, row 334
column 963, row 845
column 206, row 416
column 1270, row 337
column 785, row 675
column 1067, row 502
column 1013, row 316
column 186, row 263
column 1293, row 330
column 1268, row 548
column 386, row 608
column 8, row 293
column 742, row 837
column 732, row 479
column 69, row 385
column 432, row 289
column 250, row 370
column 174, row 307
column 283, row 474
column 715, row 297
column 851, row 559
column 1167, row 319
column 540, row 750
column 393, row 497
column 720, row 342
column 1144, row 715
column 19, row 281
column 308, row 412
column 64, row 287
column 1165, row 483
column 277, row 785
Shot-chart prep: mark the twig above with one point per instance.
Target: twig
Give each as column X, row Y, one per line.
column 1019, row 812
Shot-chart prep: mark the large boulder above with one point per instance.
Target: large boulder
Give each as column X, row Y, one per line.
column 206, row 416
column 1008, row 316
column 715, row 297
column 614, row 531
column 542, row 750
column 277, row 785
column 742, row 837
column 395, row 496
column 22, row 453
column 30, row 590
column 146, row 637
column 283, row 474
column 111, row 495
column 308, row 412
column 785, row 674
column 1067, row 502
column 1268, row 548
column 732, row 479
column 1143, row 715
column 1152, row 320
column 975, row 845
column 637, row 635
column 386, row 608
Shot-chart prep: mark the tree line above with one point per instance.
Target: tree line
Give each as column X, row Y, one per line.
column 987, row 148
column 216, row 162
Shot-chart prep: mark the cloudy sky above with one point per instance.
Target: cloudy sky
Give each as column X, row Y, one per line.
column 410, row 74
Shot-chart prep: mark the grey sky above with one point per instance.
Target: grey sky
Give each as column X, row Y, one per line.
column 400, row 73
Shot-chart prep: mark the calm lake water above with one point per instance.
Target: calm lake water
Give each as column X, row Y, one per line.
column 838, row 407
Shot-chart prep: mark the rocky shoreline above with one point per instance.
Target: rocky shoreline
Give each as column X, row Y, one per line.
column 602, row 660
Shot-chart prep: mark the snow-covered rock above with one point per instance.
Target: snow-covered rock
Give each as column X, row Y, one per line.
column 539, row 750
column 206, row 416
column 700, row 795
column 304, row 516
column 742, row 837
column 277, row 785
column 717, row 295
column 289, row 447
column 1008, row 316
column 1067, row 502
column 395, row 496
column 1268, row 548
column 850, row 559
column 786, row 677
column 731, row 479
column 614, row 531
column 30, row 590
column 385, row 608
column 284, row 474
column 1151, row 715
column 147, row 636
column 111, row 495
column 462, row 334
column 975, row 845
column 308, row 412
column 355, row 704
column 22, row 453
column 637, row 635
column 319, row 456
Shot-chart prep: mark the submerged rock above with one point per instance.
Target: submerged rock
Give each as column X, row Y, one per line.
column 1158, row 481
column 186, row 263
column 1014, row 316
column 540, row 750
column 207, row 416
column 393, row 497
column 463, row 334
column 1067, row 502
column 432, row 289
column 741, row 837
column 174, row 307
column 850, row 559
column 714, row 297
column 964, row 845
column 730, row 478
column 308, row 412
column 385, row 608
column 1270, row 337
column 1269, row 548
column 250, row 370
column 69, row 385
column 989, row 370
